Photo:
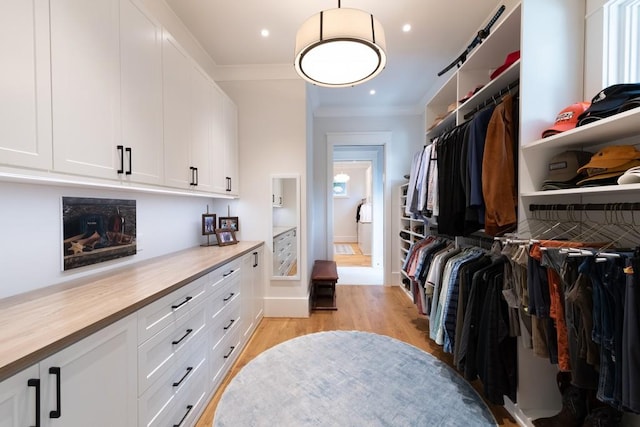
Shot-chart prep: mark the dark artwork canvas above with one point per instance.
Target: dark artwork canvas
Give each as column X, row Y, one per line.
column 97, row 230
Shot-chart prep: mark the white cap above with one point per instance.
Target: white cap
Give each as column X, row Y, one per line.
column 631, row 176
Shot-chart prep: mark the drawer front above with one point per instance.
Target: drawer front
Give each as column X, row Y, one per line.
column 171, row 308
column 158, row 354
column 157, row 404
column 223, row 355
column 224, row 323
column 221, row 275
column 224, row 296
column 190, row 401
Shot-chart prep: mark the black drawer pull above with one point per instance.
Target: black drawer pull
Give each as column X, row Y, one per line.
column 229, row 297
column 189, row 408
column 226, row 356
column 186, row 300
column 226, row 274
column 189, row 369
column 183, row 337
column 229, row 325
column 35, row 382
column 128, row 150
column 58, row 412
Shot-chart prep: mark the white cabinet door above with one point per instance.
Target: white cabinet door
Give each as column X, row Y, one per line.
column 18, row 399
column 230, row 113
column 25, row 104
column 177, row 121
column 94, row 381
column 218, row 144
column 246, row 295
column 258, row 285
column 141, row 93
column 276, row 197
column 85, row 80
column 201, row 129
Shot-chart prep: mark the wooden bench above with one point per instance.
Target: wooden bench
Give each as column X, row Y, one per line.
column 324, row 277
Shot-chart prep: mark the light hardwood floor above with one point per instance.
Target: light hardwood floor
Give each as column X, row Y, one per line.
column 355, row 260
column 379, row 309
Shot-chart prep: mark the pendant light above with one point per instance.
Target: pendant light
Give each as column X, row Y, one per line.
column 340, row 48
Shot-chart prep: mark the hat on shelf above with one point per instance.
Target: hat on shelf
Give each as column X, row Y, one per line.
column 563, row 168
column 470, row 94
column 609, row 163
column 509, row 60
column 566, row 119
column 630, row 104
column 630, row 176
column 440, row 117
column 609, row 101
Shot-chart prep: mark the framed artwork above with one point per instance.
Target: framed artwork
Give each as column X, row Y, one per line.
column 226, row 236
column 208, row 224
column 97, row 230
column 228, row 222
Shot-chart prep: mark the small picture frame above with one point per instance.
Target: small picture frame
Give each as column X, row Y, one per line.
column 208, row 224
column 226, row 236
column 229, row 222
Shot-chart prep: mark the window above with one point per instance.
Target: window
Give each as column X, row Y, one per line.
column 621, row 41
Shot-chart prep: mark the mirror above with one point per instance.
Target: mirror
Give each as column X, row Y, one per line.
column 285, row 221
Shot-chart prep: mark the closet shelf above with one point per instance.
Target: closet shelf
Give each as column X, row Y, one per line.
column 619, row 126
column 588, row 190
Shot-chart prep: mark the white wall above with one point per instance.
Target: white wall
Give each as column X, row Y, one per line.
column 272, row 138
column 31, row 230
column 407, row 136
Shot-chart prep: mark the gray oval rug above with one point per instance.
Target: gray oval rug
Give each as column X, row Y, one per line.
column 349, row 378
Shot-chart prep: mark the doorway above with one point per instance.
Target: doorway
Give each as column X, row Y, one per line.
column 364, row 164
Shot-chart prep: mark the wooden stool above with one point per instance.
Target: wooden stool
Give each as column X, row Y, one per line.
column 323, row 285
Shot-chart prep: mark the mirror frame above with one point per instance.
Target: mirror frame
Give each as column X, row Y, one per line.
column 295, row 177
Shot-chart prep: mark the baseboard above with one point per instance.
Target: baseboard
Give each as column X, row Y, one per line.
column 286, row 307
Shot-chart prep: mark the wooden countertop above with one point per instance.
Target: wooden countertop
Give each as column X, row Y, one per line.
column 37, row 324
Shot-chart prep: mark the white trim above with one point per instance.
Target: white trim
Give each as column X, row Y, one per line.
column 621, row 62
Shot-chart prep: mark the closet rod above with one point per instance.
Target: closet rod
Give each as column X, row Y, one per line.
column 587, row 207
column 493, row 98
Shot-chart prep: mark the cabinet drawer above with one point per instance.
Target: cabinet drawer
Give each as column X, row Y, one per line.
column 223, row 355
column 171, row 308
column 157, row 404
column 225, row 322
column 190, row 402
column 220, row 276
column 223, row 297
column 158, row 354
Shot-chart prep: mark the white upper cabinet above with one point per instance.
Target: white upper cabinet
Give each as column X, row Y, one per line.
column 201, row 148
column 177, row 120
column 140, row 151
column 85, row 79
column 231, row 146
column 25, row 104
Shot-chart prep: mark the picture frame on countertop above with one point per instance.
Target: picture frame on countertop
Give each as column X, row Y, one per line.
column 208, row 224
column 229, row 222
column 226, row 236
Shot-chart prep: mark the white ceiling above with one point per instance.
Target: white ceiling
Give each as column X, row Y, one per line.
column 229, row 30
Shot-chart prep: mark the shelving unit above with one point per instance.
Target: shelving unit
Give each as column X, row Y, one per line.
column 409, row 229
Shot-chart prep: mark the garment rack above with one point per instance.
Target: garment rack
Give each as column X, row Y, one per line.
column 494, row 99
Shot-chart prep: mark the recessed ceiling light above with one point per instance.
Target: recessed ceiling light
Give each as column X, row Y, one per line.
column 264, row 33
column 372, row 92
column 406, row 28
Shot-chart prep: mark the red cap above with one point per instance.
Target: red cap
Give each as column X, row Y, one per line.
column 567, row 119
column 511, row 58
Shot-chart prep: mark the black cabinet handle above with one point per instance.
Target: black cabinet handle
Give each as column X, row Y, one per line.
column 255, row 259
column 183, row 337
column 273, row 198
column 58, row 412
column 226, row 274
column 189, row 369
column 35, row 382
column 193, row 176
column 226, row 356
column 280, row 199
column 128, row 150
column 189, row 408
column 186, row 300
column 228, row 183
column 229, row 325
column 121, row 150
column 229, row 297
